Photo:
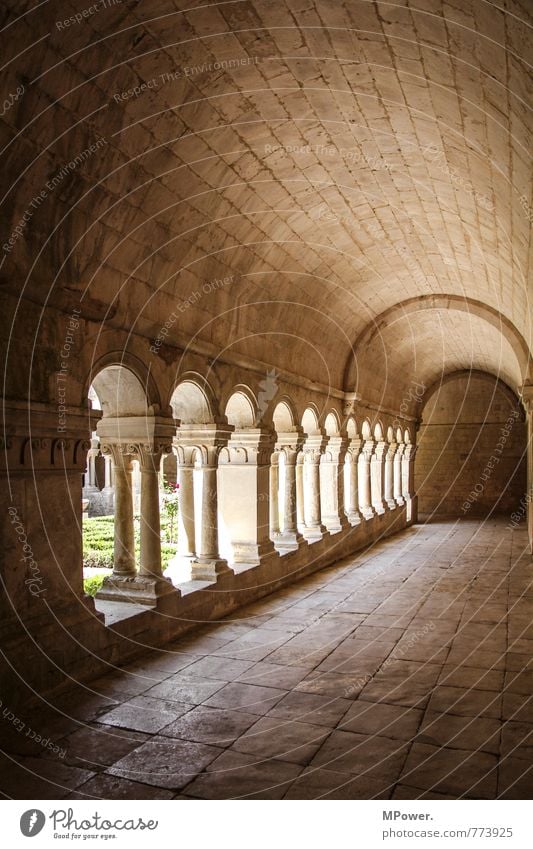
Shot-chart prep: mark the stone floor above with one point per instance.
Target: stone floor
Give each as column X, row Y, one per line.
column 403, row 672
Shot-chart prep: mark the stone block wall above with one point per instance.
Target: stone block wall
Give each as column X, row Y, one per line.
column 471, row 450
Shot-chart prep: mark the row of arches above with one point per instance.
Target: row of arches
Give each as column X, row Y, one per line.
column 255, row 480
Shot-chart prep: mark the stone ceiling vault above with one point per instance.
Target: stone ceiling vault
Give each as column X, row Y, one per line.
column 279, row 174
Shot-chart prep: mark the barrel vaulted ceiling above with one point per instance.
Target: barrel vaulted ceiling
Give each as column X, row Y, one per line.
column 280, row 176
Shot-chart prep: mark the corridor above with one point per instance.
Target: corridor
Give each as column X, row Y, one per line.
column 401, row 672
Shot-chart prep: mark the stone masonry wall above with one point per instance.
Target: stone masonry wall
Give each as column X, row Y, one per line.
column 471, row 450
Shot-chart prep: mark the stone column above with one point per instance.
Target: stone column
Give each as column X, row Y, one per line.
column 332, row 489
column 300, row 517
column 289, row 445
column 107, row 492
column 377, row 469
column 150, row 542
column 365, row 492
column 144, row 439
column 244, row 467
column 198, row 447
column 408, row 482
column 186, row 528
column 397, row 475
column 352, row 486
column 89, row 479
column 314, row 530
column 274, row 496
column 107, row 472
column 208, row 565
column 136, row 485
column 124, row 544
column 389, row 476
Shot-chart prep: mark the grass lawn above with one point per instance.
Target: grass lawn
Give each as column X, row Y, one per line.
column 98, row 539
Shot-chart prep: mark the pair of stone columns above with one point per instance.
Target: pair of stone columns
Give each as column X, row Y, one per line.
column 147, row 583
column 197, row 449
column 145, row 439
column 284, row 523
column 323, row 485
column 224, row 478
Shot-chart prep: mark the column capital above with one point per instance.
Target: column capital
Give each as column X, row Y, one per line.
column 137, row 429
column 381, row 449
column 354, row 447
column 336, row 445
column 203, row 440
column 409, row 451
column 368, row 448
column 313, row 446
column 290, row 443
column 252, row 445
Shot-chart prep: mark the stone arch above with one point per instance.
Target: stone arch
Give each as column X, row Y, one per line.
column 390, row 434
column 331, row 423
column 310, row 419
column 283, row 417
column 385, row 320
column 120, row 392
column 509, row 393
column 399, row 435
column 193, row 400
column 351, row 428
column 130, row 365
column 241, row 408
column 366, row 430
column 378, row 431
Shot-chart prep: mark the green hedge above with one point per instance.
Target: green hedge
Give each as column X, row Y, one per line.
column 93, row 584
column 98, row 537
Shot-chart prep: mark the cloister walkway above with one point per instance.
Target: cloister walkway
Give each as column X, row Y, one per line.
column 402, row 672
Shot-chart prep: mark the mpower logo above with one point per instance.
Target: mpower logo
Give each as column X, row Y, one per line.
column 32, row 822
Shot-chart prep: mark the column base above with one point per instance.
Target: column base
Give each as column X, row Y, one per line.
column 399, row 501
column 391, row 504
column 335, row 524
column 287, row 542
column 367, row 513
column 136, row 589
column 209, row 569
column 379, row 509
column 251, row 554
column 314, row 533
column 354, row 519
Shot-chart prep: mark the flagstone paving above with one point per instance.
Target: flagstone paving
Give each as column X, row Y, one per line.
column 402, row 672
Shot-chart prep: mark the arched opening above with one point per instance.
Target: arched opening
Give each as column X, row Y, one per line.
column 471, row 454
column 112, row 480
column 240, row 411
column 286, row 483
column 244, row 480
column 193, row 496
column 309, row 421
